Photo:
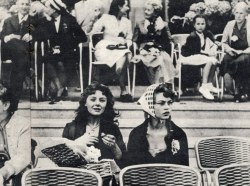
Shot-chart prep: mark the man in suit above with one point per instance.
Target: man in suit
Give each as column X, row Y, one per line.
column 16, row 40
column 64, row 34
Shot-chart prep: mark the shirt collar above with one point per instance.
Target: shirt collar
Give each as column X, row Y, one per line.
column 57, row 19
column 22, row 18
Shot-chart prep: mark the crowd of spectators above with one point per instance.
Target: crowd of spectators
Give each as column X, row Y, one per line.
column 62, row 25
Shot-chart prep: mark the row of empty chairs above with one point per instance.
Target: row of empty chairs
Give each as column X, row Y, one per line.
column 140, row 175
column 212, row 153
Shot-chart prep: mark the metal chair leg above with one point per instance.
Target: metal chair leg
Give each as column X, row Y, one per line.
column 36, row 80
column 133, row 81
column 217, row 84
column 128, row 74
column 43, row 66
column 80, row 67
column 90, row 65
column 179, row 91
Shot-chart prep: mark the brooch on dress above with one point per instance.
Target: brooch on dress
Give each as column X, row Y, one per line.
column 175, row 146
column 234, row 38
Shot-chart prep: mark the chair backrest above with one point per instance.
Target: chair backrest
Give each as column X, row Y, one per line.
column 214, row 152
column 221, row 50
column 159, row 174
column 61, row 176
column 234, row 174
column 218, row 37
column 180, row 38
column 95, row 38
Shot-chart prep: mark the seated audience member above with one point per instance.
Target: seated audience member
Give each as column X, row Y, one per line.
column 236, row 62
column 4, row 14
column 17, row 141
column 62, row 34
column 95, row 124
column 157, row 139
column 153, row 38
column 114, row 48
column 88, row 12
column 200, row 49
column 16, row 46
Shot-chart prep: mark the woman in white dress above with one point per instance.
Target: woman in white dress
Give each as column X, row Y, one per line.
column 113, row 49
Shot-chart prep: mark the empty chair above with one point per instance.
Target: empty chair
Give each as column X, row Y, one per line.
column 159, row 174
column 214, row 152
column 233, row 175
column 61, row 176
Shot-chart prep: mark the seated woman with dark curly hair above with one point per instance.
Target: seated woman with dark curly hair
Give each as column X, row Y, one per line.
column 157, row 139
column 94, row 124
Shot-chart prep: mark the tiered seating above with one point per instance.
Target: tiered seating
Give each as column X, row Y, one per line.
column 198, row 119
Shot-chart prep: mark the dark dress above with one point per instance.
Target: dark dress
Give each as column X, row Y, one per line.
column 75, row 129
column 138, row 146
column 239, row 65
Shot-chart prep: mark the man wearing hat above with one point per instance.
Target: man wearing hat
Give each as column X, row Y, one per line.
column 15, row 46
column 63, row 34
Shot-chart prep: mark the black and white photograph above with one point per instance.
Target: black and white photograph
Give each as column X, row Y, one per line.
column 124, row 93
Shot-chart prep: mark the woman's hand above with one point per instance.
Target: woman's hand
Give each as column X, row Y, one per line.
column 77, row 148
column 108, row 140
column 246, row 51
column 87, row 139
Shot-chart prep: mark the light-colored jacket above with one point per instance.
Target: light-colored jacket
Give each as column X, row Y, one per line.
column 19, row 144
column 228, row 32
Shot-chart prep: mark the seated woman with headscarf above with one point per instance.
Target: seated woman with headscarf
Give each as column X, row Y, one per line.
column 236, row 40
column 157, row 139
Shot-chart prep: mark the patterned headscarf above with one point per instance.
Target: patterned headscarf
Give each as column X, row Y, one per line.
column 147, row 100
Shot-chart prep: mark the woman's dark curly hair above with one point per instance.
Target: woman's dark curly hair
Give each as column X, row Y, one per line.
column 109, row 113
column 167, row 91
column 114, row 7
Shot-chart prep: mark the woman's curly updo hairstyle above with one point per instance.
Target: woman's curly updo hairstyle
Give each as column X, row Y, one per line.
column 109, row 113
column 156, row 4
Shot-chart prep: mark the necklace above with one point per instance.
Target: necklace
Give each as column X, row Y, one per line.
column 92, row 129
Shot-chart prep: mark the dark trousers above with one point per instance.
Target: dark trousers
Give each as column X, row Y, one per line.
column 19, row 52
column 59, row 70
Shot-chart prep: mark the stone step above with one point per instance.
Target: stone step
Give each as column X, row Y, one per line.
column 204, row 123
column 136, row 114
column 191, row 109
column 192, row 127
